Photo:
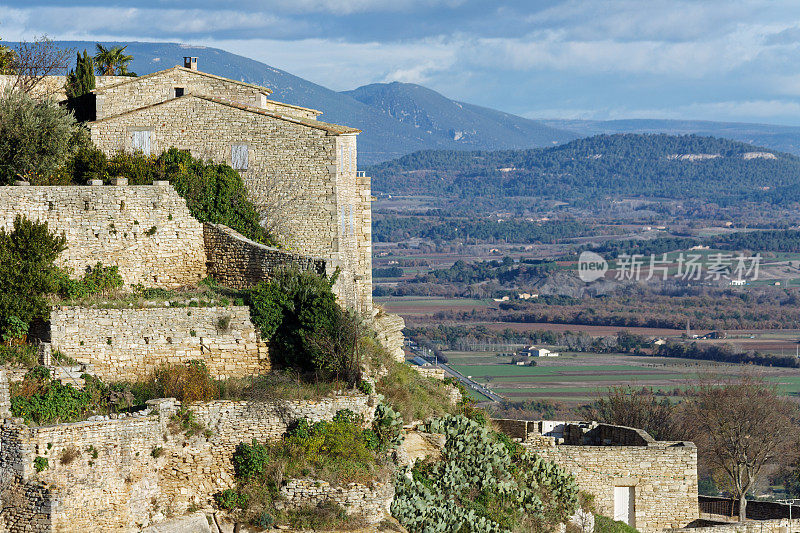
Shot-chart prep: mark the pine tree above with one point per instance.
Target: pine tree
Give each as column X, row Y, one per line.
column 81, row 80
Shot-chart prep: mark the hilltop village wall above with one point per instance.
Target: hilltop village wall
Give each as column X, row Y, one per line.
column 126, row 344
column 147, row 231
column 614, row 462
column 126, row 473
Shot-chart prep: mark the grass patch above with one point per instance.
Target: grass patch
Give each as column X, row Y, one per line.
column 416, row 397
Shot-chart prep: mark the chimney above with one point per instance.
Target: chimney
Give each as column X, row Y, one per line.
column 190, row 63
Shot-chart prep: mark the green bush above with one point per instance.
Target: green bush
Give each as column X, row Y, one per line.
column 41, row 464
column 35, row 138
column 213, row 192
column 27, row 273
column 250, row 460
column 307, row 329
column 604, row 524
column 479, row 485
column 98, row 279
column 230, row 500
column 43, row 400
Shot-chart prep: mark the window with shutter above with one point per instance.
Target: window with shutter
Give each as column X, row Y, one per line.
column 239, row 156
column 140, row 141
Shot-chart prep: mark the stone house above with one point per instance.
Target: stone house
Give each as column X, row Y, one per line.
column 300, row 171
column 650, row 485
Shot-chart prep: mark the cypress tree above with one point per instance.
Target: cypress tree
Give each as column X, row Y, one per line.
column 81, row 80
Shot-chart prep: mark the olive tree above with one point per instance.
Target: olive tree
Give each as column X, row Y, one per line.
column 35, row 137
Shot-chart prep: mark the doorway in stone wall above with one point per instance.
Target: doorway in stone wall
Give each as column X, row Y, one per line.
column 625, row 505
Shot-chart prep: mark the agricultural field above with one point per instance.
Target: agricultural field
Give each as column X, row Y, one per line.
column 575, row 379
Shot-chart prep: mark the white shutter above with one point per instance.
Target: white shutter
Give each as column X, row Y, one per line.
column 239, row 156
column 140, row 141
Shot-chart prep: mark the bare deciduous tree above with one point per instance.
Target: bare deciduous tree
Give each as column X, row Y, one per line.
column 637, row 408
column 34, row 61
column 740, row 427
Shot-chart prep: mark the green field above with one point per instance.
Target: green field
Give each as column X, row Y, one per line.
column 573, row 379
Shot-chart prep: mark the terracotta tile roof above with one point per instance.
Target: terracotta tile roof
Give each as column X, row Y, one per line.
column 311, row 123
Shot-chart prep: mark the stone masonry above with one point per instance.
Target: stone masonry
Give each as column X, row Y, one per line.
column 299, row 171
column 125, row 473
column 127, row 344
column 237, row 262
column 147, row 231
column 132, row 93
column 603, row 457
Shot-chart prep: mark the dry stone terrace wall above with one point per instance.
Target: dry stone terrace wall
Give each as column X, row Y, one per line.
column 135, row 470
column 146, row 231
column 127, row 344
column 372, row 502
column 237, row 262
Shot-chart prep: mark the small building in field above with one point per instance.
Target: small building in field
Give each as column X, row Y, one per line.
column 533, row 351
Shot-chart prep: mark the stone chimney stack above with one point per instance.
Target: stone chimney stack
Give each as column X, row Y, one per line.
column 190, row 63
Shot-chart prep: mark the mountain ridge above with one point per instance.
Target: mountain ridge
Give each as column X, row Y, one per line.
column 392, row 116
column 603, row 167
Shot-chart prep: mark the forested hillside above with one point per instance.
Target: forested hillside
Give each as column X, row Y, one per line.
column 603, row 167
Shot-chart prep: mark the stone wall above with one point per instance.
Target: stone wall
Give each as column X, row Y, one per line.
column 128, row 472
column 301, row 173
column 126, row 344
column 237, row 262
column 53, row 86
column 147, row 231
column 664, row 477
column 602, row 457
column 372, row 502
column 389, row 329
column 783, row 525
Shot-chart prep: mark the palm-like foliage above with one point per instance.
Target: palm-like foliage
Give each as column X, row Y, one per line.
column 112, row 61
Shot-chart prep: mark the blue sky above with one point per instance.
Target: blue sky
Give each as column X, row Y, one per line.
column 594, row 59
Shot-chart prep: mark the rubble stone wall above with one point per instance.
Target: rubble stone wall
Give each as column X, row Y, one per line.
column 125, row 472
column 127, row 344
column 145, row 230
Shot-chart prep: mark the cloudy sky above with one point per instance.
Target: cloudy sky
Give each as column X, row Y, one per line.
column 604, row 59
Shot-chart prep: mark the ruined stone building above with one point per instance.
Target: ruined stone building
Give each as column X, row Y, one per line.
column 299, row 170
column 648, row 484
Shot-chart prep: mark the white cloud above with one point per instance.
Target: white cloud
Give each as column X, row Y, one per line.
column 341, row 65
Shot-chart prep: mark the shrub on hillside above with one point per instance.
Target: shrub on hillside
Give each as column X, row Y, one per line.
column 188, row 383
column 98, row 279
column 35, row 138
column 27, row 273
column 297, row 312
column 339, row 451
